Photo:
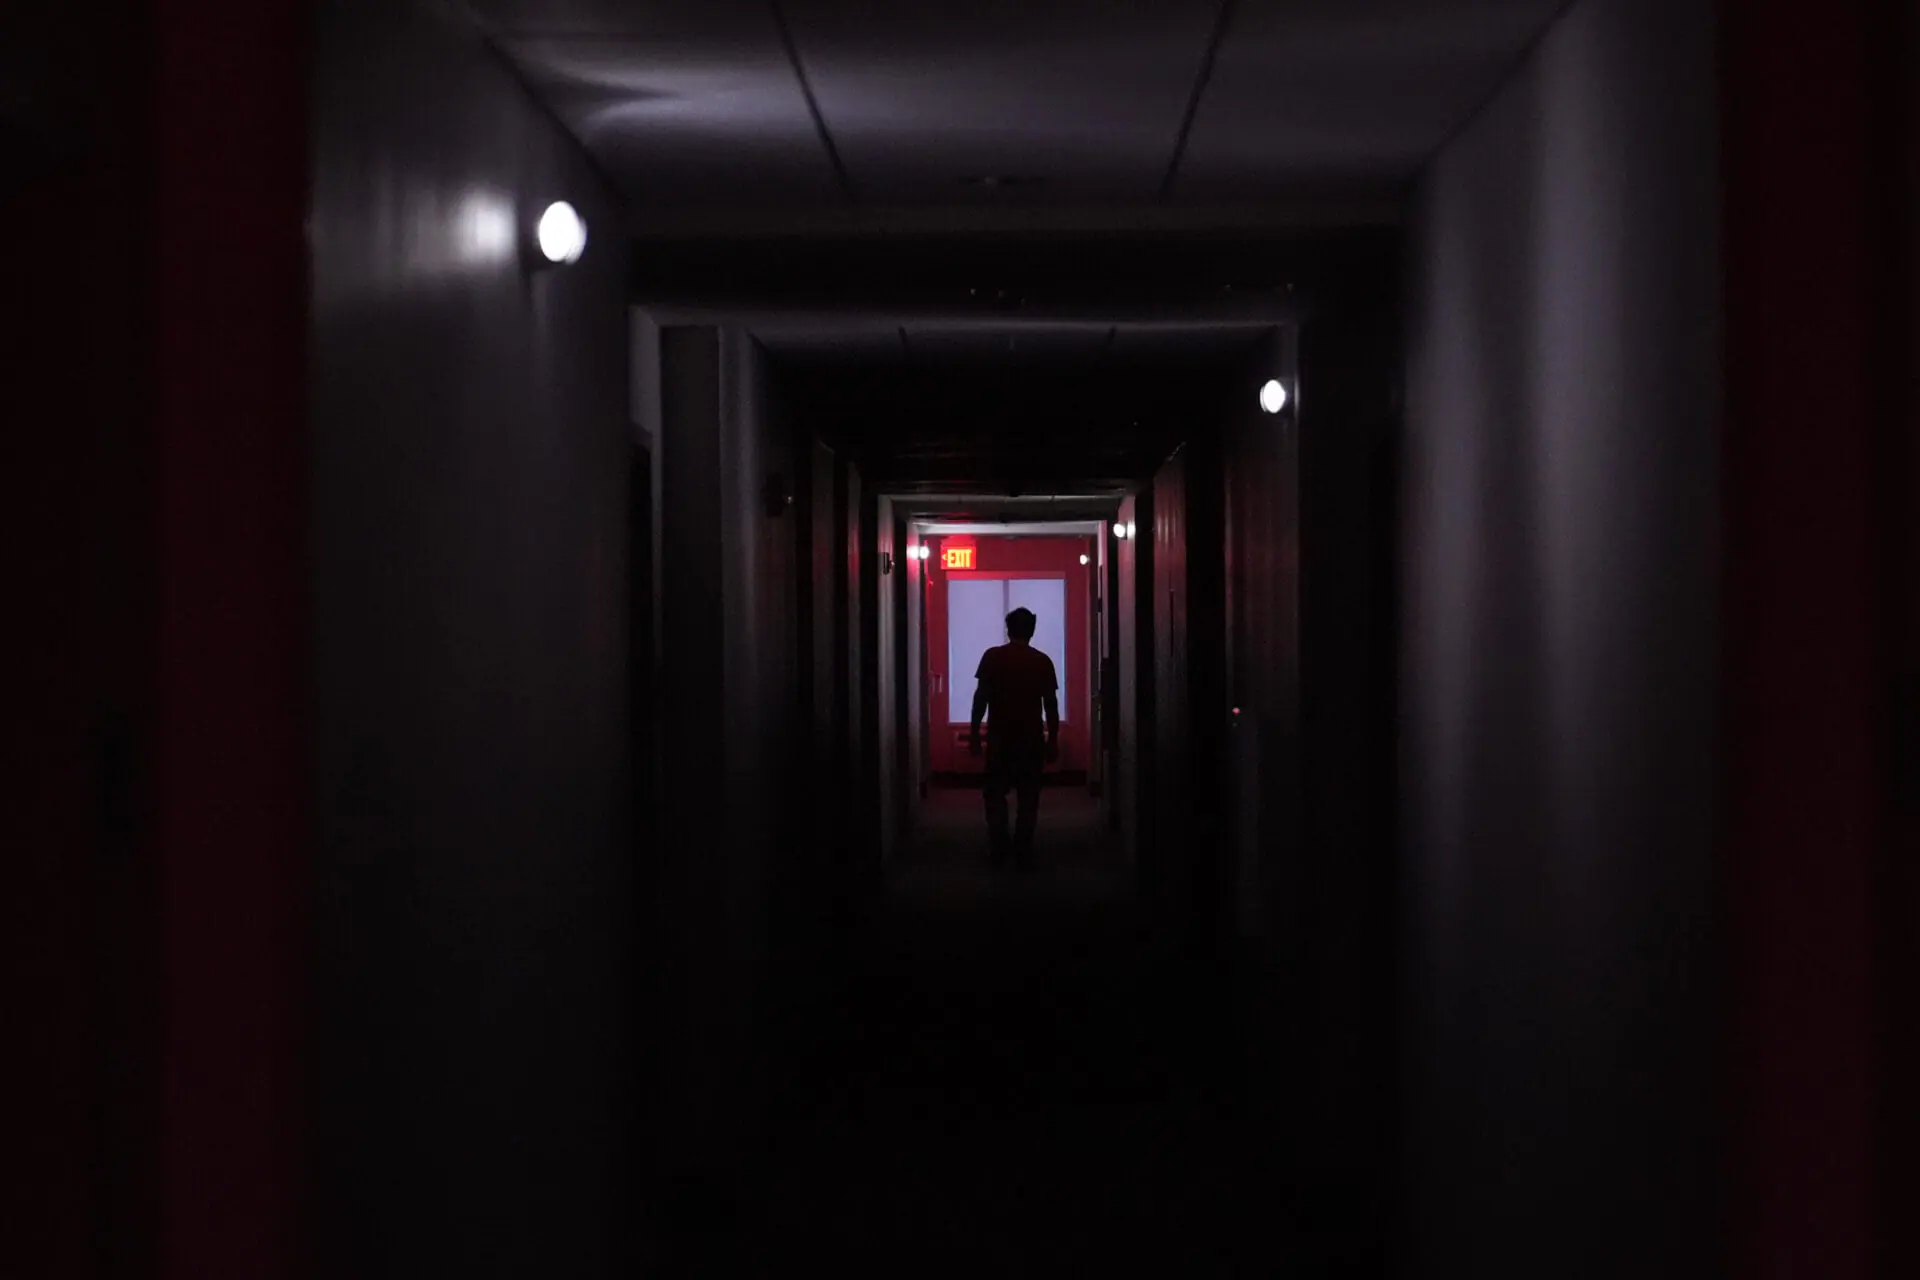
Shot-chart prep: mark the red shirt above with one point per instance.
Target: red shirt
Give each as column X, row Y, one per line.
column 1016, row 679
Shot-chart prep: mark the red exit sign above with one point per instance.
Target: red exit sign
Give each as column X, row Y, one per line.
column 957, row 557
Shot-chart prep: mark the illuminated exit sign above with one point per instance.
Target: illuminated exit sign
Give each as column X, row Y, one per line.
column 957, row 557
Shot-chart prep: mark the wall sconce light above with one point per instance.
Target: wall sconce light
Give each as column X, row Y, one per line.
column 922, row 551
column 1083, row 557
column 561, row 233
column 1120, row 530
column 1273, row 396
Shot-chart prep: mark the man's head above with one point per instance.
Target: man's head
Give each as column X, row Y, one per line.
column 1020, row 625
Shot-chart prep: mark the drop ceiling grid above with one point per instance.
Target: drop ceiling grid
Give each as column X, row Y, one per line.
column 1084, row 95
column 697, row 106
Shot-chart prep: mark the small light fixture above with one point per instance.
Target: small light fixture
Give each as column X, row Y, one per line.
column 1083, row 557
column 1273, row 396
column 562, row 233
column 1120, row 530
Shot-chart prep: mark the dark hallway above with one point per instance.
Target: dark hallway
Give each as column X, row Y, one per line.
column 1020, row 1080
column 537, row 523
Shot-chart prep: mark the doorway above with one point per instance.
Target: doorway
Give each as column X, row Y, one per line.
column 966, row 611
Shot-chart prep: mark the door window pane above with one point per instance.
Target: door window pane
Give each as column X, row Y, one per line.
column 1047, row 597
column 976, row 621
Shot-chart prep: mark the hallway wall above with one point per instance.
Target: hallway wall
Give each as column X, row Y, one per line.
column 1819, row 886
column 822, row 660
column 1270, row 864
column 154, row 541
column 1902, row 891
column 470, row 1062
column 1186, row 864
column 730, row 808
column 1560, row 580
column 856, row 643
column 890, row 813
column 1167, row 795
column 915, row 691
column 80, row 942
column 1350, row 410
column 1133, row 567
column 1263, row 634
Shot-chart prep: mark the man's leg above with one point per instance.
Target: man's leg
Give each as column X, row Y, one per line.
column 997, row 783
column 1027, row 789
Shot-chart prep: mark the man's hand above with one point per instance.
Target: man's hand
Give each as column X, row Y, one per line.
column 973, row 743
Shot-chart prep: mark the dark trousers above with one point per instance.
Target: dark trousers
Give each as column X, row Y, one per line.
column 1018, row 772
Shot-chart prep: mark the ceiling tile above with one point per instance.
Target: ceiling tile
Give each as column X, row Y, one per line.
column 1084, row 95
column 1337, row 94
column 694, row 107
column 690, row 106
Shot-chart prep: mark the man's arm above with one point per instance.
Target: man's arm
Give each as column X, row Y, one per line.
column 1052, row 703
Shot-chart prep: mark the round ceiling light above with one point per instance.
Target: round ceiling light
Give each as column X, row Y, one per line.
column 1273, row 396
column 563, row 236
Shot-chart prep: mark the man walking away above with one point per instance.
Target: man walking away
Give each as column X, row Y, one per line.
column 1017, row 692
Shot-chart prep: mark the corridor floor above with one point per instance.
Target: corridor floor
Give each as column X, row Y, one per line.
column 1022, row 1083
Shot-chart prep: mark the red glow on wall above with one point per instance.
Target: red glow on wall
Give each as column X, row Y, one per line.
column 957, row 558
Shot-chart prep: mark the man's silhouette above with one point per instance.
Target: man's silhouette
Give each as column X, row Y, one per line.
column 1017, row 693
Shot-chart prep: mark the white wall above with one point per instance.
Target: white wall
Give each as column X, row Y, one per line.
column 471, row 1069
column 1560, row 508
